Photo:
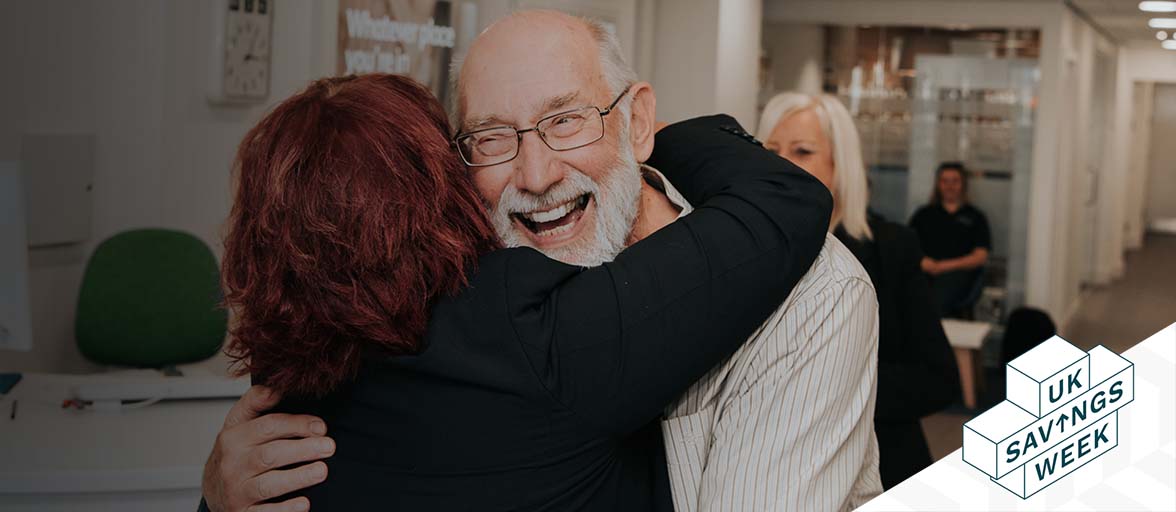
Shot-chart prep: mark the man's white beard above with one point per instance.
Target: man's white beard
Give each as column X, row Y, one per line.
column 617, row 197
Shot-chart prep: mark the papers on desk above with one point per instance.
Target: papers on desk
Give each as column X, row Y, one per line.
column 55, row 453
column 117, row 389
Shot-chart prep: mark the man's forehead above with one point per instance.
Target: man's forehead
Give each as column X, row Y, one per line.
column 523, row 109
column 520, row 66
column 510, row 99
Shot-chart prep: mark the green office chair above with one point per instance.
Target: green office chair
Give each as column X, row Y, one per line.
column 150, row 299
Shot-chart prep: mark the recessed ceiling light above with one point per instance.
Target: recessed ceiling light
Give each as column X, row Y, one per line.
column 1161, row 35
column 1157, row 6
column 1169, row 44
column 1162, row 23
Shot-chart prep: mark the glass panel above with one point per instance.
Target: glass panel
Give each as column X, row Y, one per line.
column 979, row 111
column 924, row 95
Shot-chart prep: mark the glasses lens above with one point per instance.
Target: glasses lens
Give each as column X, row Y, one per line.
column 489, row 147
column 570, row 130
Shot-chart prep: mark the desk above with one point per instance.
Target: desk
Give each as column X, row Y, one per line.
column 149, row 459
column 966, row 339
column 1140, row 474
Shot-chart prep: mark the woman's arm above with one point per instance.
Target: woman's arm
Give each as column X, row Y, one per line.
column 981, row 241
column 975, row 259
column 927, row 379
column 616, row 343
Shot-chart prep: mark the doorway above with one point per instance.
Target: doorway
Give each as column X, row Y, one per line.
column 1160, row 199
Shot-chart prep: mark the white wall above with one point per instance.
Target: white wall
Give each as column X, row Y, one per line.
column 1161, row 179
column 990, row 13
column 737, row 69
column 132, row 72
column 1136, row 64
column 797, row 56
column 706, row 58
column 1138, row 146
column 1107, row 252
column 53, row 54
column 1086, row 186
column 685, row 55
column 1079, row 199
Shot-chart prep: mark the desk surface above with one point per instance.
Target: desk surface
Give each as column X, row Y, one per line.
column 1138, row 475
column 50, row 449
column 965, row 333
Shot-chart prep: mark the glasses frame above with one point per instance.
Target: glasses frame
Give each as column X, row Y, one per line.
column 456, row 142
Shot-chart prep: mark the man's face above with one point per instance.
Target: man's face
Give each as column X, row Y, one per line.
column 577, row 206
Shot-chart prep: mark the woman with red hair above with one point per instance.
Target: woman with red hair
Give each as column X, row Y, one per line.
column 368, row 288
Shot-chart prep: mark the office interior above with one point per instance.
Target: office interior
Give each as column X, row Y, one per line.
column 1064, row 111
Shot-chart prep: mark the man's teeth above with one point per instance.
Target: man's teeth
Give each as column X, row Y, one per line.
column 556, row 230
column 553, row 214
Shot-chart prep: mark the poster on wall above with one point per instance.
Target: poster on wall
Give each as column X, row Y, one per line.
column 416, row 38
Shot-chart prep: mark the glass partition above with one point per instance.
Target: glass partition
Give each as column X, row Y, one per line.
column 925, row 95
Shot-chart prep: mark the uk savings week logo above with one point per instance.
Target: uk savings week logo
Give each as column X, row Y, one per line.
column 1061, row 411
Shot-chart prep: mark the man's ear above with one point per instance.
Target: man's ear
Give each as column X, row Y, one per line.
column 642, row 120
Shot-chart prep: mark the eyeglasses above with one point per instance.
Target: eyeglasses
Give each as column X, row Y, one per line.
column 563, row 131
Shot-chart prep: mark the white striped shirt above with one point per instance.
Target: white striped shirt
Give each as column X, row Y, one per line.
column 787, row 422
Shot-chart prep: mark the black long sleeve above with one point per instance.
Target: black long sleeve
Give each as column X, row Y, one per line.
column 616, row 343
column 538, row 378
column 926, row 379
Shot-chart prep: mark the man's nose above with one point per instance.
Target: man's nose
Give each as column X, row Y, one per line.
column 535, row 168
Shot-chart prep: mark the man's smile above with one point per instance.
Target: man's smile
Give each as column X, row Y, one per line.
column 554, row 226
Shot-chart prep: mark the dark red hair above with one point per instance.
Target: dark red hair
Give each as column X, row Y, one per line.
column 352, row 215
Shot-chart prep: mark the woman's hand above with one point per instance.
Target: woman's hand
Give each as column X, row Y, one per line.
column 248, row 461
column 977, row 258
column 931, row 266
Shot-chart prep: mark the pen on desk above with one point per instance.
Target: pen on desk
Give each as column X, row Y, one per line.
column 13, row 415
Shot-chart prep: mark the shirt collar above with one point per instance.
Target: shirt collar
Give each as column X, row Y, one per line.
column 658, row 180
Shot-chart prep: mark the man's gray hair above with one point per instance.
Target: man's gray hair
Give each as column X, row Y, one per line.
column 618, row 74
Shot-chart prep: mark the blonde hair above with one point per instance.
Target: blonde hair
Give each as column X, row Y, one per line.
column 850, row 187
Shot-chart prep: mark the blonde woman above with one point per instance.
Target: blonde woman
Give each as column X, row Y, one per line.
column 917, row 373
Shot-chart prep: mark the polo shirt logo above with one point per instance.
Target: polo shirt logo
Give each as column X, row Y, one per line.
column 1061, row 412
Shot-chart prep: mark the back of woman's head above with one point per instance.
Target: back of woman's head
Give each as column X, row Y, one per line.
column 850, row 184
column 352, row 214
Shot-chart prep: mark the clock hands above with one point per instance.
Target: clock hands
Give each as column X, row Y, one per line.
column 254, row 42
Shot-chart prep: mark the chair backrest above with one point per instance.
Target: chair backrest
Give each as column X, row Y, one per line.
column 1025, row 329
column 150, row 298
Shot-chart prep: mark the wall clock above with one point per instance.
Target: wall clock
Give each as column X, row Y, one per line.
column 242, row 38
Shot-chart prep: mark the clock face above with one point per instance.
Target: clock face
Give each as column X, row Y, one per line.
column 247, row 51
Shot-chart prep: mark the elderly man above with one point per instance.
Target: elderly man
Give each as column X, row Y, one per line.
column 784, row 424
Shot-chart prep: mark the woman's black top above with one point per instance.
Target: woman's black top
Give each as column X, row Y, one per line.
column 917, row 372
column 541, row 385
column 946, row 236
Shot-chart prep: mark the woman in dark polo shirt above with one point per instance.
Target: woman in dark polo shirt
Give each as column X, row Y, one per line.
column 955, row 238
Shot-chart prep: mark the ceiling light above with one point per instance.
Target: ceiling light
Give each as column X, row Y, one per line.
column 1157, row 6
column 1161, row 35
column 1162, row 23
column 1169, row 44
